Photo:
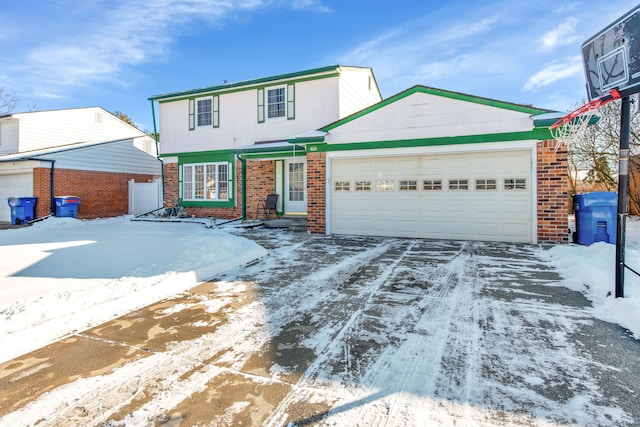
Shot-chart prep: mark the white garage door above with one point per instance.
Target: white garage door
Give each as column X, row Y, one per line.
column 470, row 196
column 15, row 185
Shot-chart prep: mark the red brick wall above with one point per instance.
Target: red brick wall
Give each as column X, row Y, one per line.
column 316, row 192
column 102, row 194
column 553, row 190
column 260, row 183
column 171, row 195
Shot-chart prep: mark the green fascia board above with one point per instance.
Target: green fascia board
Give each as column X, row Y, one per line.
column 438, row 92
column 548, row 122
column 250, row 84
column 192, row 156
column 274, row 155
column 208, row 204
column 258, row 149
column 535, row 134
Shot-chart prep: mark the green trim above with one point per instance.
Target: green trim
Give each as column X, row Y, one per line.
column 437, row 92
column 291, row 101
column 274, row 155
column 536, row 134
column 284, row 179
column 300, row 76
column 215, row 111
column 192, row 114
column 261, row 105
column 209, row 157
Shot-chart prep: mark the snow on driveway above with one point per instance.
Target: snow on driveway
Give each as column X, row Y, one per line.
column 348, row 331
column 63, row 275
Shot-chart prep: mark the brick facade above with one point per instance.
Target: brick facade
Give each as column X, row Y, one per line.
column 102, row 194
column 553, row 190
column 316, row 192
column 260, row 183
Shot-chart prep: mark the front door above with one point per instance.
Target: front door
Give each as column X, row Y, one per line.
column 295, row 186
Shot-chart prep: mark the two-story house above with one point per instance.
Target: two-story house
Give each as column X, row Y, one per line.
column 203, row 130
column 83, row 152
column 425, row 162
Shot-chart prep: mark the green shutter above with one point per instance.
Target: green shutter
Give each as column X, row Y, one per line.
column 215, row 113
column 192, row 114
column 261, row 105
column 291, row 101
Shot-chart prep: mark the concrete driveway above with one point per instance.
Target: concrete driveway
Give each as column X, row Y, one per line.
column 344, row 331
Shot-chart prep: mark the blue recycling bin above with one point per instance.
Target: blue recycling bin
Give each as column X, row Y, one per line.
column 596, row 215
column 67, row 206
column 22, row 209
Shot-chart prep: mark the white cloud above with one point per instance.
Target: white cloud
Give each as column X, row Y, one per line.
column 126, row 34
column 553, row 72
column 314, row 5
column 562, row 35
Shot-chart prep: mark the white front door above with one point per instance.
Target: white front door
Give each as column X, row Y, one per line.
column 295, row 186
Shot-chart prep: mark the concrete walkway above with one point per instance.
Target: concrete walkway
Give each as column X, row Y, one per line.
column 344, row 331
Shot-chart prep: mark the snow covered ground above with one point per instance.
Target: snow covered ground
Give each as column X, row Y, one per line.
column 392, row 332
column 64, row 275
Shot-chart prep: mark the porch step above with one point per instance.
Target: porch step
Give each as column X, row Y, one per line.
column 293, row 223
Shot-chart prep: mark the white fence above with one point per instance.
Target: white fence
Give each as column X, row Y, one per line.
column 144, row 196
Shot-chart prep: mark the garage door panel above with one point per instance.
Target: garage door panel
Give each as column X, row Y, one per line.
column 498, row 214
column 15, row 185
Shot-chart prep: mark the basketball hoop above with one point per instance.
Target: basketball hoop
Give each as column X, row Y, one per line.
column 577, row 121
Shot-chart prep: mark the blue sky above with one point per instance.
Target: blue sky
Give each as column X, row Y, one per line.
column 117, row 53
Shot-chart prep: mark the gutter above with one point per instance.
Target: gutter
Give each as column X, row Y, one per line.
column 155, row 136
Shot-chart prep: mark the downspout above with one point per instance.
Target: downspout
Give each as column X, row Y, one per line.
column 155, row 136
column 244, row 187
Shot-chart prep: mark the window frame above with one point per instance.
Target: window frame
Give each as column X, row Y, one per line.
column 342, row 186
column 459, row 184
column 222, row 182
column 432, row 185
column 283, row 102
column 408, row 185
column 515, row 185
column 486, row 184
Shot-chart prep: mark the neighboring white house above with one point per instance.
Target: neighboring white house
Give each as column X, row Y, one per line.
column 91, row 151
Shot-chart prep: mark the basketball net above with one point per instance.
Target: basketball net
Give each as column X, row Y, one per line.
column 575, row 123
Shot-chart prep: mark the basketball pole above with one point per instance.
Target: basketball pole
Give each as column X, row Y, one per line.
column 623, row 183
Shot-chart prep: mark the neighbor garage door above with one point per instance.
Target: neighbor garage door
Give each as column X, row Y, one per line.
column 471, row 196
column 14, row 185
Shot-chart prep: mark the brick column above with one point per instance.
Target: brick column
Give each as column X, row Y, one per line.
column 316, row 192
column 170, row 184
column 553, row 190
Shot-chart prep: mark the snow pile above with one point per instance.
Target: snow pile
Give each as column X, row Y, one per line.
column 591, row 270
column 63, row 275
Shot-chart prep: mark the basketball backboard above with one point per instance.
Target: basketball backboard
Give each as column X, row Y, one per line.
column 612, row 57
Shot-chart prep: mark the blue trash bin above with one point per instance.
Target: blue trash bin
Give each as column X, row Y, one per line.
column 22, row 209
column 67, row 206
column 596, row 215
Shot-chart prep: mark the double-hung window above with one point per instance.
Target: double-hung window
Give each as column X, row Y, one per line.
column 276, row 105
column 204, row 110
column 277, row 102
column 205, row 181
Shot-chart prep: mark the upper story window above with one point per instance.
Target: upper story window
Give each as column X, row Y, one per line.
column 276, row 102
column 204, row 112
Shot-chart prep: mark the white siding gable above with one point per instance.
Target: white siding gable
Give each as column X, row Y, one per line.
column 43, row 129
column 423, row 115
column 8, row 136
column 358, row 90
